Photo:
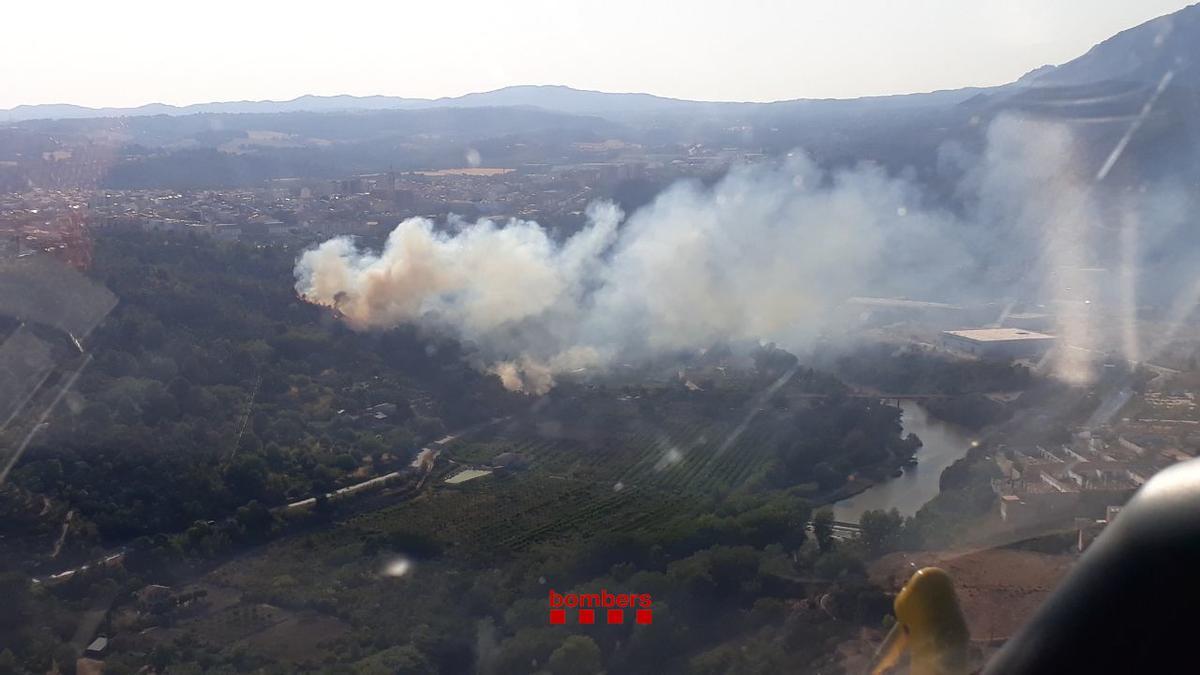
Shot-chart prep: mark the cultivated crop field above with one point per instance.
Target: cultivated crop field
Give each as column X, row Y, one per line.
column 683, row 456
column 236, row 622
column 626, row 481
column 641, row 475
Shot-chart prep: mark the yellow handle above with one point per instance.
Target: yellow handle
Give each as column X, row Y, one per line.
column 929, row 626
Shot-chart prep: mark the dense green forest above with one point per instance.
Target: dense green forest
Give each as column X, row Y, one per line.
column 213, row 385
column 913, row 370
column 215, row 397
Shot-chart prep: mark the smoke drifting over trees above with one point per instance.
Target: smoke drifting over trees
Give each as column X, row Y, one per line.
column 766, row 253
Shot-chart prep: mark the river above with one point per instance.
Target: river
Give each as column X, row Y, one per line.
column 942, row 444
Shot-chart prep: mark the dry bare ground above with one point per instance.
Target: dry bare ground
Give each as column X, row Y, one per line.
column 999, row 588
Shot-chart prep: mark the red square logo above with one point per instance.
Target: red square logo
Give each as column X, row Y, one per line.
column 616, row 616
column 558, row 616
column 645, row 616
column 587, row 616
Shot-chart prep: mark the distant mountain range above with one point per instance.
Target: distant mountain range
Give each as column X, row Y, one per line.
column 1138, row 55
column 1144, row 79
column 557, row 98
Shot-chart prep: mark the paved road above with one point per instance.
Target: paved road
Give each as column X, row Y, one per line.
column 108, row 559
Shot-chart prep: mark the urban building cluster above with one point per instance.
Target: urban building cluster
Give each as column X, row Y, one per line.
column 1090, row 478
column 298, row 210
column 45, row 222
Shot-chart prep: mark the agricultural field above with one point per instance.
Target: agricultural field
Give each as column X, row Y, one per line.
column 232, row 620
column 236, row 622
column 569, row 491
column 593, row 483
column 681, row 456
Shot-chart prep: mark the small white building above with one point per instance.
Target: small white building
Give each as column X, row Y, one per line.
column 97, row 648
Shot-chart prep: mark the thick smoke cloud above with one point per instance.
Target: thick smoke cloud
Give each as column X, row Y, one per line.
column 767, row 253
column 479, row 280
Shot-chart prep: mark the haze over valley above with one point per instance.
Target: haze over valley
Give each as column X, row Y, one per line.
column 359, row 384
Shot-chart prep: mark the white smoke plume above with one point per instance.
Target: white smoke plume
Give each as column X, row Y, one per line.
column 1035, row 191
column 479, row 279
column 764, row 254
column 767, row 253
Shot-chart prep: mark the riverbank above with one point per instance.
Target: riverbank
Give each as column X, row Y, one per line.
column 942, row 444
column 852, row 488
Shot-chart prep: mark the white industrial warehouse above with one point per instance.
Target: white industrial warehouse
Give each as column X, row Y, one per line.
column 997, row 343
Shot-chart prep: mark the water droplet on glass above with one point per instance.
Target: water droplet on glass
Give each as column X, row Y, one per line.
column 397, row 567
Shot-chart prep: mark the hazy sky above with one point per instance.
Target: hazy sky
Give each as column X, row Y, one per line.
column 129, row 52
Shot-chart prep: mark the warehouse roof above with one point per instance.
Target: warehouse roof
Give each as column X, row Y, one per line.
column 998, row 334
column 900, row 303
